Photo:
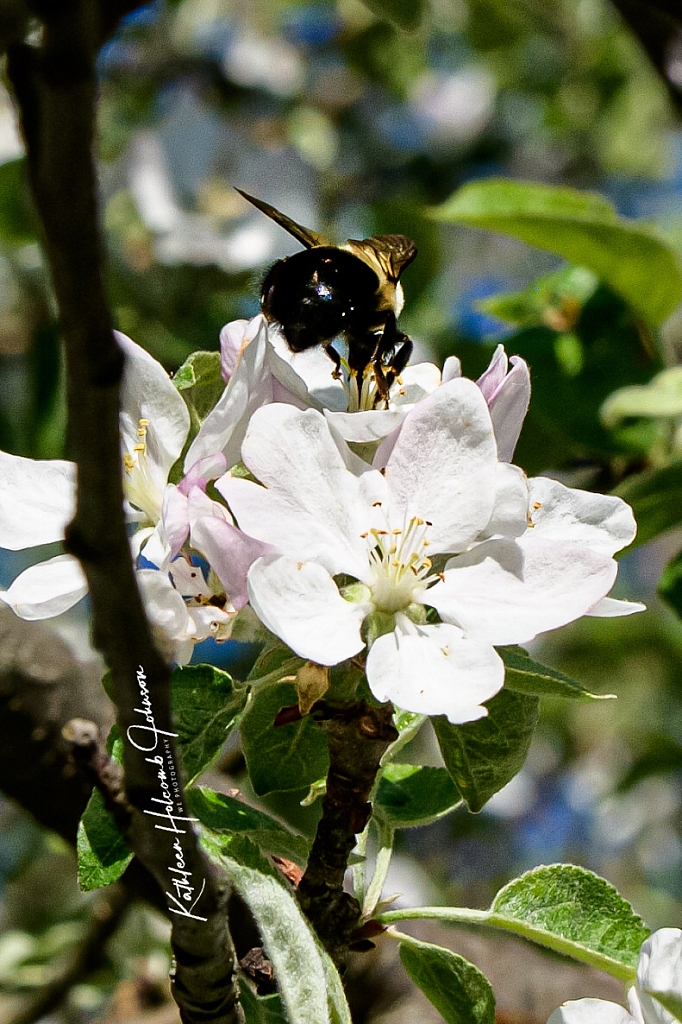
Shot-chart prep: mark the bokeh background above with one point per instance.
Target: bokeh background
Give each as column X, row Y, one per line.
column 353, row 125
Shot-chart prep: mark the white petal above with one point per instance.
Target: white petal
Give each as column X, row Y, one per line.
column 367, row 425
column 167, row 612
column 416, row 381
column 602, row 522
column 147, row 392
column 510, row 514
column 659, row 971
column 507, row 592
column 508, row 408
column 452, row 367
column 443, row 465
column 47, row 588
column 434, row 670
column 37, row 500
column 250, row 387
column 609, row 607
column 590, row 1011
column 301, row 604
column 306, row 375
column 294, row 454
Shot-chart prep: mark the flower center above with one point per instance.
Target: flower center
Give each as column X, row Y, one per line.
column 400, row 566
column 140, row 488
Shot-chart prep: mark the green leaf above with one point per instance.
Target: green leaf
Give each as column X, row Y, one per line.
column 199, row 382
column 458, row 990
column 584, row 228
column 288, row 757
column 207, row 705
column 656, row 500
column 484, row 756
column 103, row 853
column 406, row 14
column 410, row 795
column 221, row 813
column 574, row 904
column 274, row 664
column 260, row 1009
column 670, row 583
column 661, row 397
column 554, row 300
column 287, row 937
column 524, row 675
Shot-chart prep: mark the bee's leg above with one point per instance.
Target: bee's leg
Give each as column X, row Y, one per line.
column 400, row 359
column 336, row 359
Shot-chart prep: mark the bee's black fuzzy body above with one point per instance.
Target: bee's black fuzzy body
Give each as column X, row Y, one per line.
column 348, row 291
column 321, row 293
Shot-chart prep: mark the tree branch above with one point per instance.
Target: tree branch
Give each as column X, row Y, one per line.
column 358, row 737
column 55, row 88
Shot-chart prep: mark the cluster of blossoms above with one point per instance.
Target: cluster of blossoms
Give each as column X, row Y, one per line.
column 659, row 977
column 404, row 532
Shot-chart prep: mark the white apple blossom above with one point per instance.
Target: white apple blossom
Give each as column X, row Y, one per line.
column 525, row 560
column 259, row 368
column 38, row 500
column 659, row 973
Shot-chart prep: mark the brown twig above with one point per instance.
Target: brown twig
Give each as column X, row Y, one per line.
column 358, row 737
column 55, row 88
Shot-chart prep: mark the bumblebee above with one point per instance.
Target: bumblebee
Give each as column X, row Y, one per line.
column 350, row 291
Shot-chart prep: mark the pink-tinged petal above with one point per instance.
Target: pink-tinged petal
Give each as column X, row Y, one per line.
column 506, row 592
column 230, row 553
column 200, row 505
column 659, row 972
column 434, row 670
column 447, row 436
column 147, row 392
column 300, row 603
column 175, row 517
column 602, row 522
column 47, row 588
column 508, row 408
column 203, row 470
column 37, row 500
column 250, row 387
column 510, row 514
column 591, row 1011
column 609, row 607
column 234, row 337
column 490, row 380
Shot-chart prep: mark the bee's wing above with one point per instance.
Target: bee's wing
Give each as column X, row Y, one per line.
column 392, row 252
column 307, row 237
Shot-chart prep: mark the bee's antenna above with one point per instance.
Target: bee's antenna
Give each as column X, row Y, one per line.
column 309, row 238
